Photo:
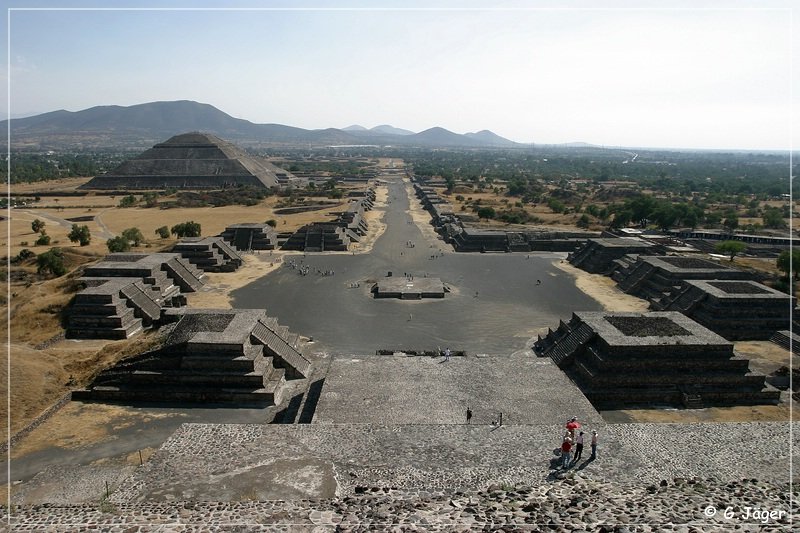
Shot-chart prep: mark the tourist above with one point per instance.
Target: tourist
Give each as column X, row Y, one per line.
column 447, row 354
column 594, row 446
column 566, row 447
column 469, row 415
column 572, row 425
column 538, row 282
column 578, row 447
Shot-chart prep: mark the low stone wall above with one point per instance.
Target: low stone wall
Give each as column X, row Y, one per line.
column 36, row 422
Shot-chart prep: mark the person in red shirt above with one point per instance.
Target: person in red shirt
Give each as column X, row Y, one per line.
column 566, row 447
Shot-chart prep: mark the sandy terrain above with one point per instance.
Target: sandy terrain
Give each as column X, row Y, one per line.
column 603, row 289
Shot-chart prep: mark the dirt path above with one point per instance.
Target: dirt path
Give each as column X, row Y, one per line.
column 603, row 289
column 423, row 220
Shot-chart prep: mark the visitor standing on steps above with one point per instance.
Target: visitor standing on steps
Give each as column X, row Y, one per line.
column 566, row 447
column 594, row 445
column 447, row 354
column 578, row 447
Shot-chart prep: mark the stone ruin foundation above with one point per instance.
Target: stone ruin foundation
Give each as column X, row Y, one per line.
column 737, row 310
column 210, row 254
column 624, row 360
column 599, row 256
column 239, row 356
column 126, row 293
column 251, row 236
column 654, row 278
column 409, row 288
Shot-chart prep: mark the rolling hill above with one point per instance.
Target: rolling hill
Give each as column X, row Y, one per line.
column 145, row 124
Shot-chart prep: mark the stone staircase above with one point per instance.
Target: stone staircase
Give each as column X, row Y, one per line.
column 211, row 356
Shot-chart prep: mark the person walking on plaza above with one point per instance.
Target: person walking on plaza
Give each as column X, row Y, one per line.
column 447, row 354
column 566, row 447
column 469, row 415
column 578, row 447
column 594, row 446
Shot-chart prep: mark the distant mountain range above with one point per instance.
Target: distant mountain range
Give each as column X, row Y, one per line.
column 143, row 125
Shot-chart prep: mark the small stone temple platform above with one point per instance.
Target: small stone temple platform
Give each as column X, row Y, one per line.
column 599, row 256
column 211, row 254
column 251, row 236
column 737, row 310
column 622, row 360
column 211, row 356
column 409, row 288
column 125, row 293
column 655, row 277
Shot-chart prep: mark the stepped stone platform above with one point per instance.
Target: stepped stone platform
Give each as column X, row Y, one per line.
column 153, row 268
column 655, row 277
column 598, row 256
column 409, row 289
column 194, row 161
column 210, row 254
column 320, row 237
column 126, row 293
column 622, row 360
column 212, row 356
column 737, row 310
column 251, row 236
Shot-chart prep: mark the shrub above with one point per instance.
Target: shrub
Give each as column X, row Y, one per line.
column 186, row 229
column 118, row 244
column 133, row 235
column 43, row 240
column 128, row 201
column 162, row 232
column 51, row 262
column 272, row 223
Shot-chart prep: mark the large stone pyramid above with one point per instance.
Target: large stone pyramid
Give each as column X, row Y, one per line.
column 193, row 161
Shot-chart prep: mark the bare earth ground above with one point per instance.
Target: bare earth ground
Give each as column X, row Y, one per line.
column 603, row 289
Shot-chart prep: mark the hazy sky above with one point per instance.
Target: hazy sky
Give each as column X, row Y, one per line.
column 660, row 75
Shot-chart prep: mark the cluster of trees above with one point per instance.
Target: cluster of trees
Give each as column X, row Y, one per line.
column 123, row 242
column 38, row 226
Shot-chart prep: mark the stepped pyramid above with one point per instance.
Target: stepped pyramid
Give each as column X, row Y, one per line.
column 624, row 360
column 238, row 356
column 193, row 161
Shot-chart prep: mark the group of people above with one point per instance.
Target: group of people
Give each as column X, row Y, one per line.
column 574, row 438
column 303, row 269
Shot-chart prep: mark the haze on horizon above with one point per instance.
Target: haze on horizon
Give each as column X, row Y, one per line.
column 678, row 77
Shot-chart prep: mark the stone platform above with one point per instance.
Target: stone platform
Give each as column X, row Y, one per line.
column 409, row 288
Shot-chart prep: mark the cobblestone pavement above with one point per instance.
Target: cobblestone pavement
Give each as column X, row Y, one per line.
column 232, row 462
column 452, row 477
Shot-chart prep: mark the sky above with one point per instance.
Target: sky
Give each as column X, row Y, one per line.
column 649, row 74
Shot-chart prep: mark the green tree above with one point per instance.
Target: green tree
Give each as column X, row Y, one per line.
column 43, row 240
column 118, row 244
column 583, row 222
column 163, row 232
column 128, row 201
column 789, row 262
column 731, row 221
column 732, row 248
column 150, row 199
column 186, row 229
column 80, row 234
column 272, row 223
column 486, row 212
column 52, row 261
column 133, row 235
column 37, row 225
column 773, row 218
